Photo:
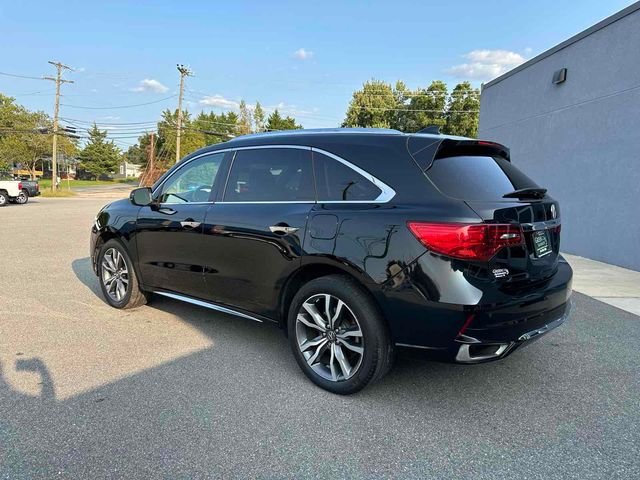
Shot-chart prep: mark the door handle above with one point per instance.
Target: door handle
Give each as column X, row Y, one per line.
column 167, row 210
column 283, row 229
column 190, row 223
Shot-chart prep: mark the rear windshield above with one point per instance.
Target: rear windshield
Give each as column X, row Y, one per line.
column 477, row 177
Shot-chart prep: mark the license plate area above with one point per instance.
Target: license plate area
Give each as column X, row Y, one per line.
column 541, row 243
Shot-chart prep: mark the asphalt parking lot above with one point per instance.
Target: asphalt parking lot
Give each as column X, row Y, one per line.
column 175, row 391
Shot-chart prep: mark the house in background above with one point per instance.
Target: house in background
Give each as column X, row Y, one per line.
column 571, row 117
column 128, row 170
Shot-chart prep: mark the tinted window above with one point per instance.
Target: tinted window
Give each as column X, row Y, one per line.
column 336, row 181
column 477, row 178
column 270, row 175
column 193, row 182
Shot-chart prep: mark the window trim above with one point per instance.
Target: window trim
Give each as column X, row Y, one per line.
column 386, row 192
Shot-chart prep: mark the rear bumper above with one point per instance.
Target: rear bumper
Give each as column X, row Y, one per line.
column 472, row 350
column 501, row 320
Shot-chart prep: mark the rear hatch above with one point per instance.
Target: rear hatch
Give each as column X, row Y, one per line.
column 481, row 175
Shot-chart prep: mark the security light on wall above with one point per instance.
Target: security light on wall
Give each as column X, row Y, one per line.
column 560, row 76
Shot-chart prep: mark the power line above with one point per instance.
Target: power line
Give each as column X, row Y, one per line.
column 15, row 75
column 119, row 106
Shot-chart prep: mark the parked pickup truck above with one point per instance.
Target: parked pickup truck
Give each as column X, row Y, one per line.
column 11, row 191
column 30, row 187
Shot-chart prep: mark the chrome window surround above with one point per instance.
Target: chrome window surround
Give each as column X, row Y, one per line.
column 386, row 194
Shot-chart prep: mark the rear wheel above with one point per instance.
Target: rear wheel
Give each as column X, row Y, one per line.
column 22, row 198
column 338, row 335
column 4, row 199
column 118, row 279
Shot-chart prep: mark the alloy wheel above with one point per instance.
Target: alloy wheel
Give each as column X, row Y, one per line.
column 329, row 337
column 22, row 198
column 115, row 274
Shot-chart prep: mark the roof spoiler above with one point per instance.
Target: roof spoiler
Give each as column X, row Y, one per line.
column 431, row 129
column 451, row 148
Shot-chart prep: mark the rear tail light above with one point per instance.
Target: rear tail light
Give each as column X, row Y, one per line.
column 37, row 186
column 476, row 241
column 20, row 186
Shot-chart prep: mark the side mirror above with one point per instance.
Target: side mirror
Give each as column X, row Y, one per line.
column 141, row 196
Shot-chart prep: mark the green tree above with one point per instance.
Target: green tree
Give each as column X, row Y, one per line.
column 463, row 111
column 244, row 125
column 190, row 138
column 216, row 128
column 258, row 118
column 427, row 106
column 278, row 122
column 99, row 156
column 378, row 105
column 372, row 107
column 25, row 136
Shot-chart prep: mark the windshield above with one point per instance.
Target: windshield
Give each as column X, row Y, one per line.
column 477, row 177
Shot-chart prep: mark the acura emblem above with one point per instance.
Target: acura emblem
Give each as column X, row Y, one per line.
column 553, row 211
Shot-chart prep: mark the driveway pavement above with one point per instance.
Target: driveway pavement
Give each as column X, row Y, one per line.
column 175, row 391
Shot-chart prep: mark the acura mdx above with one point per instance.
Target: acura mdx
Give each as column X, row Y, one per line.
column 354, row 241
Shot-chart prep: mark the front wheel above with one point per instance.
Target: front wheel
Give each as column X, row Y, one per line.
column 118, row 279
column 22, row 198
column 338, row 335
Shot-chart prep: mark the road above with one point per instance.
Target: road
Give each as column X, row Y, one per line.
column 175, row 391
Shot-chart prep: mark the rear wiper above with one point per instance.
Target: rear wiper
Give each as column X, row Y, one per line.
column 526, row 193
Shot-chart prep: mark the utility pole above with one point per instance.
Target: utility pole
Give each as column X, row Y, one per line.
column 184, row 72
column 54, row 157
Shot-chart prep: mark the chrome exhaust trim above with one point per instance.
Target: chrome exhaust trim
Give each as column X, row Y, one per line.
column 464, row 353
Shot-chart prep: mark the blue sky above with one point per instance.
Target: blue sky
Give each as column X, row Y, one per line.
column 305, row 57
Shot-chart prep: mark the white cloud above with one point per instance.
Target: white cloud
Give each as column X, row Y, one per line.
column 219, row 101
column 302, row 54
column 486, row 64
column 150, row 85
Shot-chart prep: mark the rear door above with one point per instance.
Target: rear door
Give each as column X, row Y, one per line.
column 253, row 237
column 500, row 193
column 169, row 232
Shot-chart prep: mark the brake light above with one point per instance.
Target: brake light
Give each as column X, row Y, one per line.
column 19, row 185
column 474, row 241
column 488, row 144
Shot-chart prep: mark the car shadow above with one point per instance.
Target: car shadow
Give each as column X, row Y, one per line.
column 84, row 273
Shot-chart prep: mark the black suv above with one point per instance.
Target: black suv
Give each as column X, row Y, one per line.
column 354, row 241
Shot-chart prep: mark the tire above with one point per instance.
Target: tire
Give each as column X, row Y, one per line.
column 117, row 277
column 4, row 199
column 359, row 335
column 22, row 198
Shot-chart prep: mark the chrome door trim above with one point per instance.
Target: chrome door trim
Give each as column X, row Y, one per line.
column 386, row 195
column 202, row 303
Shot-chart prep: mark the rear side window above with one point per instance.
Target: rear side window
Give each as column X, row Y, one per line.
column 477, row 177
column 270, row 175
column 338, row 182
